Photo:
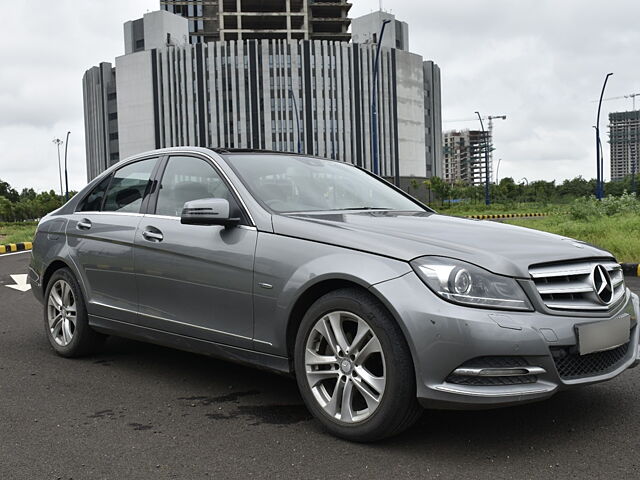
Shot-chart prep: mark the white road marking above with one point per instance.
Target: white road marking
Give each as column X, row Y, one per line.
column 21, row 282
column 14, row 253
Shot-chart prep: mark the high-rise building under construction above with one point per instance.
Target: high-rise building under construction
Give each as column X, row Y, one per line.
column 464, row 156
column 624, row 142
column 211, row 20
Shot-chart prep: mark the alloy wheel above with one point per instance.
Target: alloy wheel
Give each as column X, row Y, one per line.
column 345, row 366
column 62, row 313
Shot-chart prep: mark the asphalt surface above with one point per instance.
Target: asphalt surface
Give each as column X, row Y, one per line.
column 142, row 411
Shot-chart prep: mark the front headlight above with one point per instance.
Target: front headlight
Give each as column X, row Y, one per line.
column 465, row 284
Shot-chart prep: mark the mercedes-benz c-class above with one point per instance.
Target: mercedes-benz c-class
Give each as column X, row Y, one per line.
column 375, row 303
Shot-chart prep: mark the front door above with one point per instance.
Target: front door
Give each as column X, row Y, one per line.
column 194, row 280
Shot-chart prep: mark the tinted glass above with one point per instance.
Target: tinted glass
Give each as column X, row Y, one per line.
column 129, row 186
column 93, row 201
column 186, row 179
column 287, row 183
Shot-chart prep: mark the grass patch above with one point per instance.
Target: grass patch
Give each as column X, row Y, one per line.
column 17, row 232
column 619, row 234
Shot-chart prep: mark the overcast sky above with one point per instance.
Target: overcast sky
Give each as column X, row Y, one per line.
column 540, row 62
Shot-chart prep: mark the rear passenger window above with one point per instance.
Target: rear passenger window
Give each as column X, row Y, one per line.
column 93, row 201
column 129, row 186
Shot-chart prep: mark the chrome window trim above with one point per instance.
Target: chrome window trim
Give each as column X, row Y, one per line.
column 127, row 214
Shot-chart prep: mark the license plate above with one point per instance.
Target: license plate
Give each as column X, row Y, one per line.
column 600, row 336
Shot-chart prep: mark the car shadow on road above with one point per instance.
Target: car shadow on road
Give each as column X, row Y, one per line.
column 261, row 397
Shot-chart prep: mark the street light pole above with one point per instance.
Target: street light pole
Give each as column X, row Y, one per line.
column 295, row 106
column 66, row 177
column 487, row 196
column 374, row 109
column 599, row 161
column 57, row 142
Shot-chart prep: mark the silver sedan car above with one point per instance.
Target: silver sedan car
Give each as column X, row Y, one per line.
column 378, row 305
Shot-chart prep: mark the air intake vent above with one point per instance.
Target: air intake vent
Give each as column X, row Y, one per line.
column 581, row 286
column 572, row 365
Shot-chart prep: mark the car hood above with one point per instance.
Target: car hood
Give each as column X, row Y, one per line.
column 501, row 248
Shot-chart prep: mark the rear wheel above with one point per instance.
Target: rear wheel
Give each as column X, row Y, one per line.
column 65, row 317
column 354, row 368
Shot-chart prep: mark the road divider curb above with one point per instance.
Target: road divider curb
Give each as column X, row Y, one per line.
column 631, row 269
column 15, row 247
column 507, row 215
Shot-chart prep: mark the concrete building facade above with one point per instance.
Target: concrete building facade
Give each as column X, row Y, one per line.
column 211, row 20
column 432, row 119
column 366, row 29
column 624, row 143
column 280, row 94
column 100, row 118
column 155, row 30
column 464, row 156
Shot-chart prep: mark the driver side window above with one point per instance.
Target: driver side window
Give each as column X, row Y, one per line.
column 186, row 179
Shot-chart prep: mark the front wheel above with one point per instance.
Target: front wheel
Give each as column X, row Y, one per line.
column 354, row 368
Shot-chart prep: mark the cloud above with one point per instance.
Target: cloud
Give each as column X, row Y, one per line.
column 52, row 45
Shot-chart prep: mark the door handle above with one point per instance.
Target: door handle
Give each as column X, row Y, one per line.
column 153, row 236
column 84, row 224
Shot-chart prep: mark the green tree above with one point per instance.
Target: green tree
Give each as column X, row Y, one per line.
column 438, row 186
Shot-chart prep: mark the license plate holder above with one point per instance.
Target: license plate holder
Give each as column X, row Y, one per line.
column 606, row 335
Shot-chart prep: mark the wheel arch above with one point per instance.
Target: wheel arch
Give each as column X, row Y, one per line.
column 55, row 265
column 313, row 292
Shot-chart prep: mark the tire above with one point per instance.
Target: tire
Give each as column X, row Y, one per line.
column 376, row 378
column 65, row 317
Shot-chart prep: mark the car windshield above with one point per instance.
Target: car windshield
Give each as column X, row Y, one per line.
column 288, row 183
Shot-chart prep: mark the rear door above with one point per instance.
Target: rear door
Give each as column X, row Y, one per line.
column 194, row 280
column 100, row 235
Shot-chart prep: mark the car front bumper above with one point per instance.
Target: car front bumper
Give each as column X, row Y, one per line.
column 443, row 336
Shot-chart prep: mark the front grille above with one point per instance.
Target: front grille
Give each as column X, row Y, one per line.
column 570, row 285
column 570, row 364
column 493, row 362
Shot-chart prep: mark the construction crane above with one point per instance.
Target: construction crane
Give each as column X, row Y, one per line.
column 632, row 96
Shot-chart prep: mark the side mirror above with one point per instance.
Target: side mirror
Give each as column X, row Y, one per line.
column 208, row 211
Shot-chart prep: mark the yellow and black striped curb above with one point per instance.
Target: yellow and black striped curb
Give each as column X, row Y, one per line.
column 507, row 215
column 15, row 247
column 631, row 269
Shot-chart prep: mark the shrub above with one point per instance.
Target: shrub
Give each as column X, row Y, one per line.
column 590, row 207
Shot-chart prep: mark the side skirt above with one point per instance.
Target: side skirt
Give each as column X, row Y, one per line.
column 190, row 344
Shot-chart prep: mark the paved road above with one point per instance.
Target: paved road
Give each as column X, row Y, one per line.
column 141, row 411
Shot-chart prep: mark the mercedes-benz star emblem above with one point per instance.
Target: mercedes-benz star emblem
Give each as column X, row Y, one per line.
column 602, row 285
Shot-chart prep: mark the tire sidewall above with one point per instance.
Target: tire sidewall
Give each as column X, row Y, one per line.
column 400, row 382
